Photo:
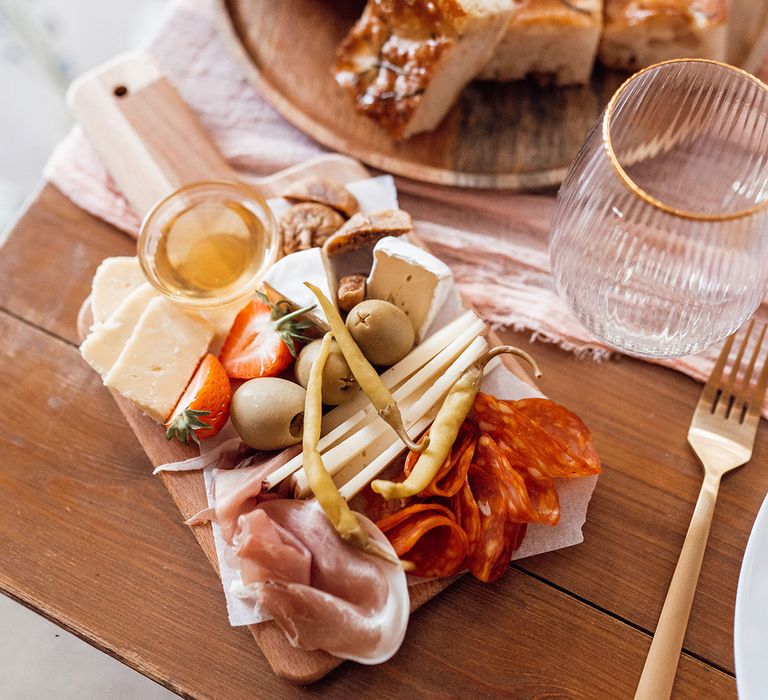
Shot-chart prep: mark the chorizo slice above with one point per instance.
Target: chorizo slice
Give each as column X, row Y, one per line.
column 567, row 429
column 531, row 497
column 489, row 496
column 516, row 432
column 427, row 535
column 452, row 473
column 467, row 514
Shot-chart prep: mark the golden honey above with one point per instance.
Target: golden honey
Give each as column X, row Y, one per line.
column 208, row 243
column 210, row 249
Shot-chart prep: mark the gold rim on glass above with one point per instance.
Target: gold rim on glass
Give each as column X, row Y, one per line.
column 632, row 185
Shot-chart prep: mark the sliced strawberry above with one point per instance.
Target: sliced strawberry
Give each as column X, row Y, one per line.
column 203, row 408
column 263, row 339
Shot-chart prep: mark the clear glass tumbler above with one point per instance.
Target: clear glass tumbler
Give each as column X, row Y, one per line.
column 660, row 238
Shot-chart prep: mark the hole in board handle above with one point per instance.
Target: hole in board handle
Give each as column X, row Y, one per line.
column 120, row 91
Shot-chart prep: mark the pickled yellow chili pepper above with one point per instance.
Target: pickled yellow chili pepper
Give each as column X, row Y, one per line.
column 343, row 519
column 445, row 427
column 364, row 373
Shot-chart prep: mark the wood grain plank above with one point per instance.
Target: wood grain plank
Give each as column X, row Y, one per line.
column 642, row 505
column 90, row 538
column 48, row 261
column 640, row 510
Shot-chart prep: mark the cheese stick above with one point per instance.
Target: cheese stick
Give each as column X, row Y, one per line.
column 369, row 438
column 366, row 415
column 351, row 481
column 399, row 372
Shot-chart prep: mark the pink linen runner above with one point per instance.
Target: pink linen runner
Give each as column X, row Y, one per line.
column 496, row 248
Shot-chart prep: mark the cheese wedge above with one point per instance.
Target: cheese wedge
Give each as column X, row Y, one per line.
column 114, row 280
column 288, row 275
column 410, row 278
column 160, row 357
column 106, row 341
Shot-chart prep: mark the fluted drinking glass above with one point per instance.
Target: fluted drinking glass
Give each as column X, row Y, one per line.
column 660, row 237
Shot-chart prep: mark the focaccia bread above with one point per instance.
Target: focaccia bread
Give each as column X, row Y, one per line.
column 638, row 33
column 405, row 62
column 554, row 40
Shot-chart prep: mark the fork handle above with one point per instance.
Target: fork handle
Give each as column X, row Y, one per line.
column 658, row 675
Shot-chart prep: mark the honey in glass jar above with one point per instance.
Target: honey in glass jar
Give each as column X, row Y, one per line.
column 208, row 244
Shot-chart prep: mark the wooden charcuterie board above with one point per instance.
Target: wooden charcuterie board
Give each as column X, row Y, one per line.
column 515, row 135
column 152, row 143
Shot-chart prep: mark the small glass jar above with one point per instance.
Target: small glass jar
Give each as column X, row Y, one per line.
column 208, row 244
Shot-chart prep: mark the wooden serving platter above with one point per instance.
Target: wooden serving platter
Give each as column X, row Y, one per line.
column 499, row 135
column 152, row 143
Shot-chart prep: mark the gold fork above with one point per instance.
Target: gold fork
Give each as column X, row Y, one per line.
column 722, row 434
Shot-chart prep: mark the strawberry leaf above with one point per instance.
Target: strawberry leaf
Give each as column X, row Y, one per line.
column 183, row 425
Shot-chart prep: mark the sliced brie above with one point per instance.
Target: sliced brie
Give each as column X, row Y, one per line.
column 106, row 341
column 410, row 278
column 288, row 275
column 114, row 280
column 160, row 357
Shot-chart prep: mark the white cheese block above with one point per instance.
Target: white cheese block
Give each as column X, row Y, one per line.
column 410, row 278
column 106, row 341
column 160, row 357
column 288, row 275
column 114, row 280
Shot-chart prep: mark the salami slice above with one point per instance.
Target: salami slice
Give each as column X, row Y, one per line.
column 452, row 473
column 514, row 533
column 427, row 535
column 467, row 514
column 566, row 428
column 531, row 497
column 516, row 433
column 488, row 492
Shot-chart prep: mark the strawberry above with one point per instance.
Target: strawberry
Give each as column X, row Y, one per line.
column 262, row 340
column 203, row 408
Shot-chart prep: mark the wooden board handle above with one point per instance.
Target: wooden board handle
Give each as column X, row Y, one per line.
column 148, row 137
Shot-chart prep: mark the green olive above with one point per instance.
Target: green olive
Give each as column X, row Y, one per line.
column 339, row 384
column 268, row 413
column 382, row 331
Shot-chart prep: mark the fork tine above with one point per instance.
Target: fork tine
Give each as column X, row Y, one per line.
column 713, row 383
column 753, row 360
column 758, row 397
column 733, row 374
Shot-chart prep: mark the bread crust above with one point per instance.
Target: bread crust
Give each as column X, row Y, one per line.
column 389, row 58
column 639, row 33
column 621, row 14
column 565, row 13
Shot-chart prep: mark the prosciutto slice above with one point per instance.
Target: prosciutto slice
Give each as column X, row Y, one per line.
column 238, row 490
column 322, row 593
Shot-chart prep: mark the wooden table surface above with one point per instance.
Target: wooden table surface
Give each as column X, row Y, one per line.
column 90, row 539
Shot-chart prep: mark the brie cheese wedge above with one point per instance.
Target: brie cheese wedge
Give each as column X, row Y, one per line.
column 411, row 278
column 288, row 275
